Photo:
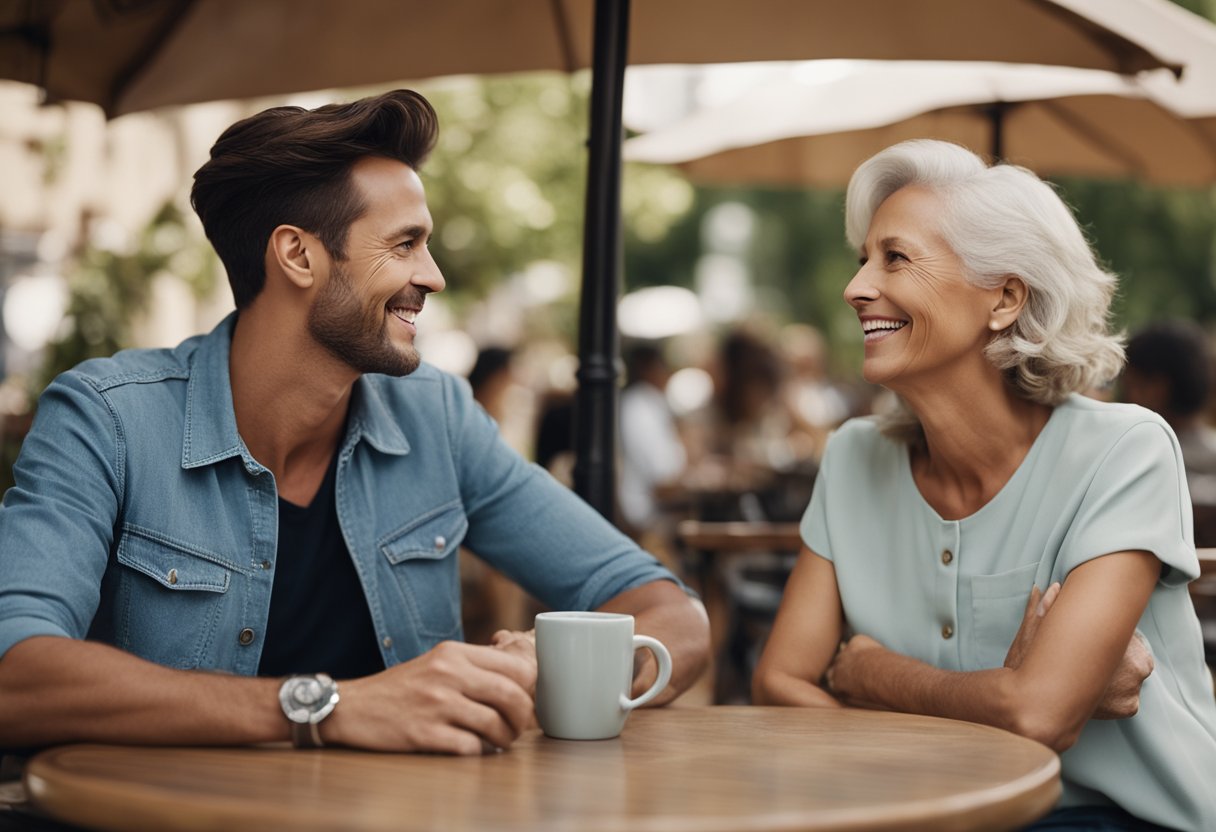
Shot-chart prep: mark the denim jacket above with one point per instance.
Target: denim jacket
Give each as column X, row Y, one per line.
column 140, row 519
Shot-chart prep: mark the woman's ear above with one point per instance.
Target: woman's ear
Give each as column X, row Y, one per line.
column 294, row 253
column 1013, row 297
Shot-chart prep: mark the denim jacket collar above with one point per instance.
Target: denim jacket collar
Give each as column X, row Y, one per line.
column 211, row 434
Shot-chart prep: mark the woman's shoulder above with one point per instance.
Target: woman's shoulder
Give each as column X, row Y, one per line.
column 1099, row 424
column 861, row 440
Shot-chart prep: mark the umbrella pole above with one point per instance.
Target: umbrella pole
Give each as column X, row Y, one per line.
column 996, row 117
column 595, row 407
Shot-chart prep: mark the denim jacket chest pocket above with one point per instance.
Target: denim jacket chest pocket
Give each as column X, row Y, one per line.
column 169, row 599
column 424, row 568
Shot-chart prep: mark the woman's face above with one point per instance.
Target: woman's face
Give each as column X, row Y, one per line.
column 919, row 314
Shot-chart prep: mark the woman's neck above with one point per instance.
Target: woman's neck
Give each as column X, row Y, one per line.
column 975, row 438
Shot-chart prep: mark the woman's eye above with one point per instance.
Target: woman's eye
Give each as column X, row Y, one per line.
column 892, row 256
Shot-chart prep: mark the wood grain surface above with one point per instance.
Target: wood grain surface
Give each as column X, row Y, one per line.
column 719, row 769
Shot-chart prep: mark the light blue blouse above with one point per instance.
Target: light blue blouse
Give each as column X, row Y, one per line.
column 1100, row 478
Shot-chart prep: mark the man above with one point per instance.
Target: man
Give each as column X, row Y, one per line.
column 286, row 495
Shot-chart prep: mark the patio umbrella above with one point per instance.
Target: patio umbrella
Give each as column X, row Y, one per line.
column 814, row 124
column 820, row 120
column 128, row 55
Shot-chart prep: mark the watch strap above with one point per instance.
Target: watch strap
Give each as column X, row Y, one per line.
column 306, row 735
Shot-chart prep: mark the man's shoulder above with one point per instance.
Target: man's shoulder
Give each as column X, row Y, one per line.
column 137, row 366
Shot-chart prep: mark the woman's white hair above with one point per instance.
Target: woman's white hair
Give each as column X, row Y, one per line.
column 1002, row 221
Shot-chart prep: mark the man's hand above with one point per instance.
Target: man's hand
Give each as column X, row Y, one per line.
column 1122, row 696
column 456, row 699
column 518, row 643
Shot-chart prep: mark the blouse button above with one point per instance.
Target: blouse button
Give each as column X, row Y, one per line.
column 245, row 637
column 440, row 542
column 947, row 556
column 947, row 631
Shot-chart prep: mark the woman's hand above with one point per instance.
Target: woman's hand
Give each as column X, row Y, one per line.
column 1122, row 696
column 845, row 676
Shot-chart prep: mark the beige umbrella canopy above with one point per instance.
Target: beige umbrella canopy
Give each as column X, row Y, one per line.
column 129, row 56
column 816, row 124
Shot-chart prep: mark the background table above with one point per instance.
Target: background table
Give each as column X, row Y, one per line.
column 686, row 769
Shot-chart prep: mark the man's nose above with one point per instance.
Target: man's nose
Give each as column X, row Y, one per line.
column 429, row 276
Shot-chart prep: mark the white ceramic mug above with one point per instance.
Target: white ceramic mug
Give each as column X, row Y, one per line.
column 585, row 673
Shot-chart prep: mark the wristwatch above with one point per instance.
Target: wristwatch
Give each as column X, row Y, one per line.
column 307, row 700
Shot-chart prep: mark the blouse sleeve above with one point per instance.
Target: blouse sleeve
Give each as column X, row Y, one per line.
column 1137, row 500
column 814, row 526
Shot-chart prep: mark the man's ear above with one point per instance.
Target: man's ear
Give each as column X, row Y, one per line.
column 296, row 253
column 1013, row 297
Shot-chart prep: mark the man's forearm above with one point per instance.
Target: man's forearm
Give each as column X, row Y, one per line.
column 58, row 690
column 662, row 610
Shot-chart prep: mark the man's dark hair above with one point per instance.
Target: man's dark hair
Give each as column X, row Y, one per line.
column 1178, row 352
column 288, row 165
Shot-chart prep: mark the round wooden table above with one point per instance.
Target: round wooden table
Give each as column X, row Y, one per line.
column 685, row 769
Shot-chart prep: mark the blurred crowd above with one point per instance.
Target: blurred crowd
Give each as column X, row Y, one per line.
column 733, row 428
column 725, row 429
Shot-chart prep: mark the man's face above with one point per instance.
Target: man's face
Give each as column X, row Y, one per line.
column 365, row 312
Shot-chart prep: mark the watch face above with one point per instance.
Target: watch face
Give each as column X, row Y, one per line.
column 306, row 692
column 308, row 698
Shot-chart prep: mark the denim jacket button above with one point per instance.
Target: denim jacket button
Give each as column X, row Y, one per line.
column 245, row 637
column 172, row 576
column 440, row 542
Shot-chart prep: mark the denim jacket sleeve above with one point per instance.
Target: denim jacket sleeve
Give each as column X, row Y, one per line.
column 57, row 523
column 531, row 527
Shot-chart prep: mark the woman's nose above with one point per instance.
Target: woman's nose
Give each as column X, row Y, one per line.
column 861, row 289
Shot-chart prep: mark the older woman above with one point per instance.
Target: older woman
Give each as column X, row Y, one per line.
column 997, row 546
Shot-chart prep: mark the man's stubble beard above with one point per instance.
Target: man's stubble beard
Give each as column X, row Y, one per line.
column 355, row 334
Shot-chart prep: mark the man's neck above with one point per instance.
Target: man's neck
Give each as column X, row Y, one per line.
column 290, row 399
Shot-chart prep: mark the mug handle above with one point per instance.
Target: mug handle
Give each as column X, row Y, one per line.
column 663, row 658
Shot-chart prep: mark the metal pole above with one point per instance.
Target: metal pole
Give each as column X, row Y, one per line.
column 996, row 118
column 595, row 408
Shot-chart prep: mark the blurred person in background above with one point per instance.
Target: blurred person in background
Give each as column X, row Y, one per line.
column 200, row 538
column 653, row 457
column 1001, row 549
column 1169, row 370
column 490, row 600
column 753, row 421
column 816, row 401
column 511, row 404
column 491, row 380
column 752, row 434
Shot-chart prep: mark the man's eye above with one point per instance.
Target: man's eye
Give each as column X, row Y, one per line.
column 892, row 256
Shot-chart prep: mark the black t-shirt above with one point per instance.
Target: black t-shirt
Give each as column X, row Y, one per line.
column 319, row 621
